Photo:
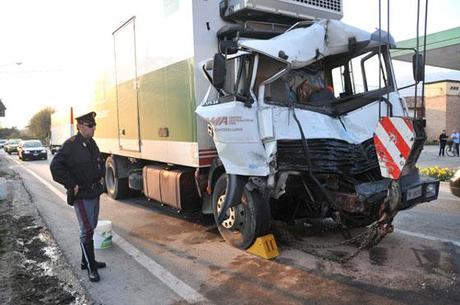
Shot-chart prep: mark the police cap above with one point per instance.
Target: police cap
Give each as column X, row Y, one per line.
column 87, row 118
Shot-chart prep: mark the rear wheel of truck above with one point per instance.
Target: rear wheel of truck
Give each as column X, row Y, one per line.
column 246, row 221
column 117, row 188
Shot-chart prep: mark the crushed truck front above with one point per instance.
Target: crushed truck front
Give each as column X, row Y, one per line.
column 310, row 123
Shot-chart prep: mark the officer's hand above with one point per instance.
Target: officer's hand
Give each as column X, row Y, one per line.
column 75, row 190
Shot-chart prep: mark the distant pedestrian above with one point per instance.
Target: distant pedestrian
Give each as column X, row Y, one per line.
column 455, row 136
column 442, row 142
column 78, row 165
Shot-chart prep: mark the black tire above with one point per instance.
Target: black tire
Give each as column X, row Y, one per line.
column 450, row 151
column 117, row 188
column 247, row 221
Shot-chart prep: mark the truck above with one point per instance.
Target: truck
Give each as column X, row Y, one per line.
column 259, row 110
column 62, row 128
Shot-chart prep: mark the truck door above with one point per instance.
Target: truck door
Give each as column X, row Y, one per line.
column 127, row 86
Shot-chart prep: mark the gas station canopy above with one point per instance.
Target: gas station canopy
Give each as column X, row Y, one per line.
column 442, row 49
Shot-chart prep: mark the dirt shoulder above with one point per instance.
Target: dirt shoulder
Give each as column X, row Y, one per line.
column 33, row 269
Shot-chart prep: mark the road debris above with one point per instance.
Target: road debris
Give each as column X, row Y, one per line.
column 33, row 269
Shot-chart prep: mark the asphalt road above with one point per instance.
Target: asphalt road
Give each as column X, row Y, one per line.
column 162, row 257
column 430, row 157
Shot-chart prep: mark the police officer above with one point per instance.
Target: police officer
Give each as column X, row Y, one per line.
column 79, row 167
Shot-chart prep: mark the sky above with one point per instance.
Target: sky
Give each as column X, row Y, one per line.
column 58, row 44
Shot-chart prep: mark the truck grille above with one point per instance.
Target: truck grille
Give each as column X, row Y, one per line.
column 328, row 156
column 333, row 5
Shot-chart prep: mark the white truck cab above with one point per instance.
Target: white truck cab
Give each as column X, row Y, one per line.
column 309, row 115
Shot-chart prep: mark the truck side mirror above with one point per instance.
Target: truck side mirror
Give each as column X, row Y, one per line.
column 418, row 67
column 219, row 71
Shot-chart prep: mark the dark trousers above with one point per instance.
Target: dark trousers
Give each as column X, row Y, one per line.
column 442, row 148
column 457, row 149
column 87, row 211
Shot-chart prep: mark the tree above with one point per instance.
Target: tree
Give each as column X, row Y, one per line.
column 7, row 133
column 40, row 125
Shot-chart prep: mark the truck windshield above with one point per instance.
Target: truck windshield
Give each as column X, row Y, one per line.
column 329, row 81
column 360, row 73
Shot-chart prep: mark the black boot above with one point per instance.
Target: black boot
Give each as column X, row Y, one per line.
column 88, row 252
column 84, row 265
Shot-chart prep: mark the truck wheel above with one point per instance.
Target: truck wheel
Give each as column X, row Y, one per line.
column 117, row 188
column 247, row 221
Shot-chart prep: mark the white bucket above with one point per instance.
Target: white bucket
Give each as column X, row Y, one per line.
column 103, row 234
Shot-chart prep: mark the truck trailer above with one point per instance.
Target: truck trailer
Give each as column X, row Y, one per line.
column 62, row 128
column 254, row 110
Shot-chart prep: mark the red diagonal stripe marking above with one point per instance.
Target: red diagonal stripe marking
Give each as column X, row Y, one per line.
column 393, row 133
column 385, row 156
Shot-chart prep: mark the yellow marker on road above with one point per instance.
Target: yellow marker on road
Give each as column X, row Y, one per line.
column 265, row 247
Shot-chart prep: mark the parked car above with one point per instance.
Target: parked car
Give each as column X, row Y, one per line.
column 455, row 183
column 3, row 142
column 32, row 149
column 11, row 145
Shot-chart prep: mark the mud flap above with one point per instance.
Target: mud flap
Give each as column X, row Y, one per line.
column 233, row 194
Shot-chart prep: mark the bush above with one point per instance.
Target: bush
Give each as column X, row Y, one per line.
column 442, row 174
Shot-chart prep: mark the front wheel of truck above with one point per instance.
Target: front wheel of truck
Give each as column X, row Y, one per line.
column 117, row 188
column 246, row 221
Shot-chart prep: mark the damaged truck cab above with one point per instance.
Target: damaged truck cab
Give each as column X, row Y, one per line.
column 308, row 123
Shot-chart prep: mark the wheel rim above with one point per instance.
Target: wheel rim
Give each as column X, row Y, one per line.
column 229, row 222
column 236, row 216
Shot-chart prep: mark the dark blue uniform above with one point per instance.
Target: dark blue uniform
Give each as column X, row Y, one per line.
column 79, row 162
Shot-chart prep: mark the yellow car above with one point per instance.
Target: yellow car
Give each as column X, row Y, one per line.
column 11, row 146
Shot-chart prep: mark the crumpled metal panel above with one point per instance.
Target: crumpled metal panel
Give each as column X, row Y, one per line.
column 302, row 44
column 328, row 156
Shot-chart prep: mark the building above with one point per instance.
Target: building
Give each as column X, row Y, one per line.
column 441, row 108
column 410, row 101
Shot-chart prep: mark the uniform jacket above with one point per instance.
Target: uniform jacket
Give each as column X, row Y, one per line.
column 79, row 162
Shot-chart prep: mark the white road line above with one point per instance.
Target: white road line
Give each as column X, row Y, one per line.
column 167, row 278
column 429, row 237
column 457, row 200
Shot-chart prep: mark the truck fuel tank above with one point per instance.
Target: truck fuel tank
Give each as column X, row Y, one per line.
column 173, row 187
